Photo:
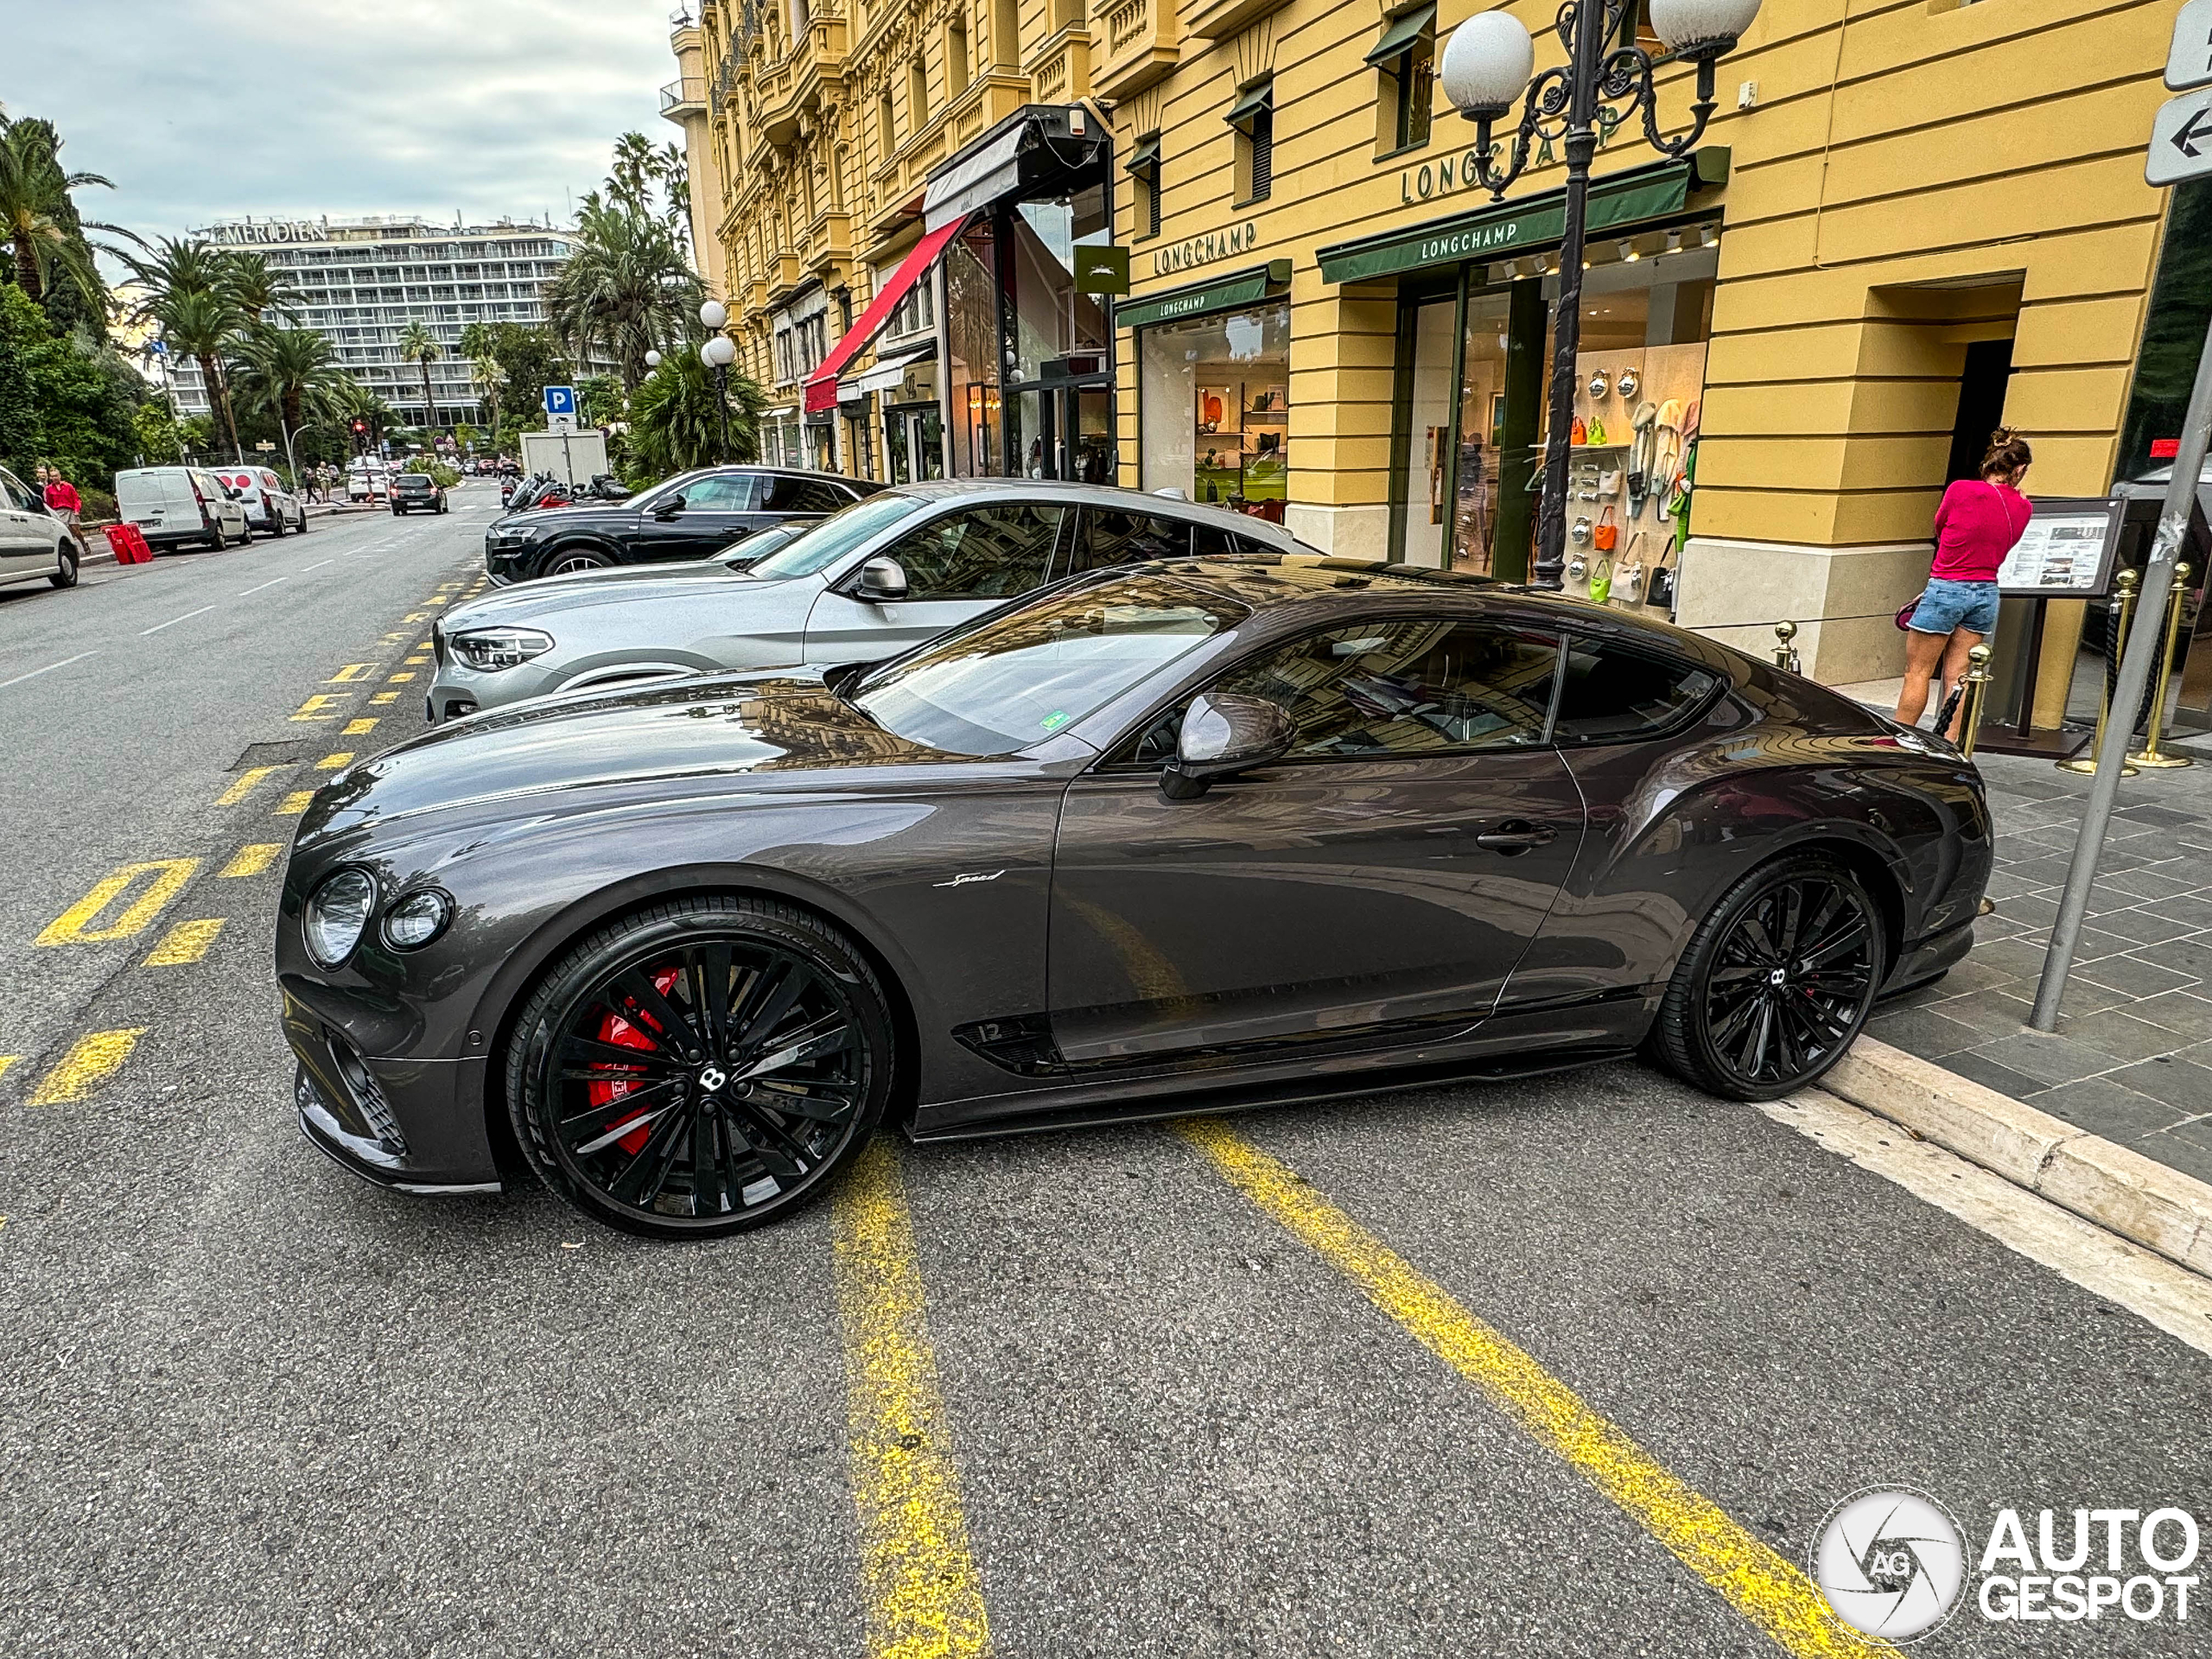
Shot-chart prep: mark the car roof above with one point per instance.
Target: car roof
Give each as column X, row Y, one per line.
column 1108, row 496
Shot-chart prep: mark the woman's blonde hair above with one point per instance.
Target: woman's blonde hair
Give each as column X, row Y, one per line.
column 2008, row 453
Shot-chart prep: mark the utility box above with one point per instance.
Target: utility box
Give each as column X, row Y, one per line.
column 575, row 458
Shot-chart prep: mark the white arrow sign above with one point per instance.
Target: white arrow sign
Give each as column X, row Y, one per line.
column 2190, row 62
column 2181, row 139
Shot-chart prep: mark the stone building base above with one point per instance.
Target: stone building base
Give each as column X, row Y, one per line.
column 1844, row 600
column 1349, row 532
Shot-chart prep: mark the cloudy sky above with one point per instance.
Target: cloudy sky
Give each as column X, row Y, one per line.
column 207, row 109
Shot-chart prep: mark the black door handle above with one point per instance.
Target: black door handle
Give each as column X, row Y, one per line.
column 1515, row 835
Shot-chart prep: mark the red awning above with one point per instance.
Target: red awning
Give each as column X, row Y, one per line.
column 822, row 384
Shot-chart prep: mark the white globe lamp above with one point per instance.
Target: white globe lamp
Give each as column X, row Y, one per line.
column 713, row 315
column 1701, row 28
column 718, row 352
column 1487, row 63
column 652, row 360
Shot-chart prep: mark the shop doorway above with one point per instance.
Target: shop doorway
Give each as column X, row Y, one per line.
column 913, row 441
column 1982, row 384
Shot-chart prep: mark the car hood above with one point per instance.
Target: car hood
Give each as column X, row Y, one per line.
column 581, row 589
column 598, row 515
column 731, row 733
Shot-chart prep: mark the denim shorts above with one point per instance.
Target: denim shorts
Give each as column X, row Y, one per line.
column 1950, row 604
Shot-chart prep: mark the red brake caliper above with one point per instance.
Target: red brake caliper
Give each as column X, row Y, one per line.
column 622, row 1030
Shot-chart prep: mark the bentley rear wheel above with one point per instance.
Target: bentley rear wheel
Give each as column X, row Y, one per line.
column 702, row 1067
column 1776, row 983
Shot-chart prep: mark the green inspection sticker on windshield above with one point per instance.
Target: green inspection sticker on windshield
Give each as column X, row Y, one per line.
column 1053, row 721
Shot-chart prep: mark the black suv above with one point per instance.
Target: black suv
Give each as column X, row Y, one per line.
column 688, row 517
column 413, row 490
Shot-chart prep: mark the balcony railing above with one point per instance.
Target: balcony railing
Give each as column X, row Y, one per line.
column 690, row 90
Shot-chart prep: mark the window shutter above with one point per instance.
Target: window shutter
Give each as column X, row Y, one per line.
column 1263, row 151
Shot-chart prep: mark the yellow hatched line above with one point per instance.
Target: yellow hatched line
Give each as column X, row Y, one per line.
column 251, row 860
column 185, row 943
column 95, row 1057
column 7, row 1060
column 359, row 727
column 1760, row 1585
column 238, row 790
column 295, row 803
column 336, row 759
column 926, row 1598
column 74, row 925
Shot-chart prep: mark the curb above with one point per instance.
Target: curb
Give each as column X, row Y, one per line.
column 106, row 554
column 2121, row 1190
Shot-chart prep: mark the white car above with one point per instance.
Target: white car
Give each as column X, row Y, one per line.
column 178, row 506
column 34, row 545
column 270, row 507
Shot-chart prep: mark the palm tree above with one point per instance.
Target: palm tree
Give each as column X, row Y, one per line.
column 636, row 166
column 628, row 287
column 258, row 287
column 417, row 347
column 480, row 344
column 672, row 422
column 676, row 186
column 36, row 216
column 292, row 373
column 185, row 292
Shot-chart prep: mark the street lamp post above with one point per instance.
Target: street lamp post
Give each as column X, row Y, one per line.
column 719, row 352
column 1487, row 65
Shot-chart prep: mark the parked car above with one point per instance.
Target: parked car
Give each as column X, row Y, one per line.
column 180, row 506
column 34, row 545
column 416, row 492
column 883, row 575
column 270, row 507
column 688, row 517
column 1158, row 839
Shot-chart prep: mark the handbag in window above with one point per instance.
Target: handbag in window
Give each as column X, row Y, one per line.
column 1601, row 583
column 1606, row 534
column 1581, row 531
column 1609, row 483
column 1661, row 590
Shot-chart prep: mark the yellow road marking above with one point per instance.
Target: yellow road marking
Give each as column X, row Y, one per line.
column 95, row 1057
column 359, row 727
column 184, row 943
column 251, row 860
column 416, row 662
column 7, row 1060
column 394, row 679
column 244, row 787
column 295, row 803
column 73, row 925
column 352, row 672
column 318, row 707
column 417, row 616
column 385, row 696
column 333, row 761
column 925, row 1599
column 1760, row 1585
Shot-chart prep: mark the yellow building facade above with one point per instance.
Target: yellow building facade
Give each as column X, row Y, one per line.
column 1905, row 223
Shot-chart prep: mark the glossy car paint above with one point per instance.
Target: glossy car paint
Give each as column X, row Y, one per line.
column 1067, row 946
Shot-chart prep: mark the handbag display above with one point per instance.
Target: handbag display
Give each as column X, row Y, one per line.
column 1609, row 483
column 1606, row 534
column 1576, row 568
column 1578, row 433
column 1661, row 591
column 1601, row 583
column 1581, row 532
column 1600, row 386
column 1597, row 430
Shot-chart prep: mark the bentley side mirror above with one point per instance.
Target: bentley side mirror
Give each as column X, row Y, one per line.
column 669, row 508
column 882, row 579
column 1225, row 733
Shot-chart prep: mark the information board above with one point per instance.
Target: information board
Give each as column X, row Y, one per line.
column 2066, row 552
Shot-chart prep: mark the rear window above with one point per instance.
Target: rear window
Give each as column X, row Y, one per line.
column 1612, row 693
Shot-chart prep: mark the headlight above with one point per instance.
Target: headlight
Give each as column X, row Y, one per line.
column 338, row 912
column 489, row 649
column 416, row 920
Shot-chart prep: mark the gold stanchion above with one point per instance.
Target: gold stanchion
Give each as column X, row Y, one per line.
column 2127, row 582
column 2149, row 755
column 1977, row 685
column 1785, row 657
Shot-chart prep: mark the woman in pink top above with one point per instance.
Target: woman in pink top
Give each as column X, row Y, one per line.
column 1976, row 524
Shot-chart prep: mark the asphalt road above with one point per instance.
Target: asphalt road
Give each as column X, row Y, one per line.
column 1138, row 1392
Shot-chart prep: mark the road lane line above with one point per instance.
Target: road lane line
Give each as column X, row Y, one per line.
column 1767, row 1589
column 95, row 1057
column 252, row 859
column 48, row 668
column 390, row 679
column 384, row 696
column 318, row 707
column 924, row 1597
column 174, row 620
column 73, row 925
column 7, row 1060
column 352, row 672
column 317, row 565
column 295, row 803
column 271, row 582
column 359, row 727
column 245, row 787
column 331, row 762
column 186, row 942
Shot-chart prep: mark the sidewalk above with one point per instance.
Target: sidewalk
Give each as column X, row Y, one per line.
column 2131, row 1059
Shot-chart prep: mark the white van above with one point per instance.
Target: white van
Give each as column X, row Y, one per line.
column 177, row 506
column 270, row 507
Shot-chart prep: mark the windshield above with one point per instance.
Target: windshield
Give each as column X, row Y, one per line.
column 837, row 534
column 760, row 544
column 1018, row 676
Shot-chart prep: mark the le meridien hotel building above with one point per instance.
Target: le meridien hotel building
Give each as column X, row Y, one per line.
column 362, row 281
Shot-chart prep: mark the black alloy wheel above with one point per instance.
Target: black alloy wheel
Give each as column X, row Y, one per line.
column 1777, row 981
column 575, row 559
column 702, row 1067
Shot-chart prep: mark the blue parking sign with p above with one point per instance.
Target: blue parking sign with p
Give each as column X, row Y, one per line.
column 559, row 400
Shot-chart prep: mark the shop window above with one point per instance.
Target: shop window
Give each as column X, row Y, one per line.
column 1215, row 408
column 1253, row 116
column 1611, row 694
column 956, row 57
column 1143, row 168
column 1405, row 64
column 1408, row 686
column 993, row 552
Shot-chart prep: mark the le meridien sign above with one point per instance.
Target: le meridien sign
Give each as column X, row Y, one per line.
column 301, row 230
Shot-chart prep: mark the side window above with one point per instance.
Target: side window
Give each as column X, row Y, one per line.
column 1107, row 538
column 13, row 494
column 1408, row 686
column 1212, row 542
column 1611, row 693
column 993, row 552
column 725, row 493
column 803, row 495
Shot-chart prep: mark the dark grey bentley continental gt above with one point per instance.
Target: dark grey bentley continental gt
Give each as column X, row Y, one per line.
column 1158, row 839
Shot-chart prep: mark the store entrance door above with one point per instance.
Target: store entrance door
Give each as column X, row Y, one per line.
column 1077, row 426
column 913, row 441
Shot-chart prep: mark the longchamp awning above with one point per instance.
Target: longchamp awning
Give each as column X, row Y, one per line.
column 886, row 372
column 822, row 384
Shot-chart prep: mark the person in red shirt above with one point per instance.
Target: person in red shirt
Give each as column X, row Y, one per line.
column 1976, row 524
column 61, row 498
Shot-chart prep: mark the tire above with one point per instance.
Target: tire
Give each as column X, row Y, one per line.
column 65, row 575
column 276, row 526
column 1728, row 1025
column 399, row 513
column 710, row 1154
column 558, row 561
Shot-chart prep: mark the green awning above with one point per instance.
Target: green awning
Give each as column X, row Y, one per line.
column 1222, row 294
column 1401, row 32
column 1250, row 102
column 1145, row 156
column 1499, row 230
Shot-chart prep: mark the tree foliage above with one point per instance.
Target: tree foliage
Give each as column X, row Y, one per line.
column 672, row 421
column 628, row 288
column 64, row 398
column 39, row 220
